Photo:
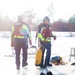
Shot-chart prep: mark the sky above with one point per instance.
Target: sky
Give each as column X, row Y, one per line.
column 61, row 8
column 64, row 9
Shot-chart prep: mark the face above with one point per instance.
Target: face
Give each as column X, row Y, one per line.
column 46, row 22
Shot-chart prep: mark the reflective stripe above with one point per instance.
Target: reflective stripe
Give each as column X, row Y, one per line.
column 19, row 36
column 48, row 39
column 41, row 37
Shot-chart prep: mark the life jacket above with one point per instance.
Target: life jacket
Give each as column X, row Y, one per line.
column 46, row 32
column 17, row 27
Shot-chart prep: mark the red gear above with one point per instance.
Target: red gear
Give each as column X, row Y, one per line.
column 17, row 30
column 46, row 32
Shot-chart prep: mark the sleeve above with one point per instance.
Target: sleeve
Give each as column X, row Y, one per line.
column 52, row 35
column 26, row 30
column 39, row 33
column 29, row 32
column 12, row 33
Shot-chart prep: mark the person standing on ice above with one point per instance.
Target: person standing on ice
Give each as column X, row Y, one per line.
column 19, row 39
column 44, row 34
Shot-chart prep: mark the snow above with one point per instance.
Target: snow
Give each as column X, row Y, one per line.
column 61, row 46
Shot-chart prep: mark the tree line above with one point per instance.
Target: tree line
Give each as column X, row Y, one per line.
column 61, row 25
column 28, row 16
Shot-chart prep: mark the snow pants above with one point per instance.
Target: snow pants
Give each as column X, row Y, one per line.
column 47, row 47
column 21, row 43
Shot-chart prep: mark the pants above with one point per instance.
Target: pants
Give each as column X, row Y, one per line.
column 47, row 46
column 21, row 44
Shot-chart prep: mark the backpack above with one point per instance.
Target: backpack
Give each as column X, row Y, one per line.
column 56, row 60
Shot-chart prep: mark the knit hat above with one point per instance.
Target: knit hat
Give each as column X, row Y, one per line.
column 19, row 17
column 46, row 18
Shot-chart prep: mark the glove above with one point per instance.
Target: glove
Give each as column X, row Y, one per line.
column 12, row 44
column 30, row 41
column 54, row 37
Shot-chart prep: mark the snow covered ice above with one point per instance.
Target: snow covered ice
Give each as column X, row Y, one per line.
column 61, row 46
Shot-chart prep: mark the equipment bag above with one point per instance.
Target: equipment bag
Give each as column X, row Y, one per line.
column 56, row 60
column 38, row 56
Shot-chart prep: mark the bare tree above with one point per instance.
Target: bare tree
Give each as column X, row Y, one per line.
column 28, row 18
column 51, row 11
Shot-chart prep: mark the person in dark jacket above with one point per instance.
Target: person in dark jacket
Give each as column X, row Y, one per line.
column 44, row 34
column 19, row 40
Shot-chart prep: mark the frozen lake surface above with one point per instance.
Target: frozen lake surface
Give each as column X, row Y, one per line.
column 61, row 46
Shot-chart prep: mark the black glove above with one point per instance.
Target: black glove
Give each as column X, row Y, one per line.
column 54, row 37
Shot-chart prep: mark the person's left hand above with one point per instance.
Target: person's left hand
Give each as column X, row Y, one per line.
column 30, row 41
column 54, row 37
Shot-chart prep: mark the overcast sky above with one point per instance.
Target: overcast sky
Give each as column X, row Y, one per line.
column 62, row 8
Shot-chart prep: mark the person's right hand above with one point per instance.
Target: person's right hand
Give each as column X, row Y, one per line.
column 12, row 44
